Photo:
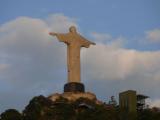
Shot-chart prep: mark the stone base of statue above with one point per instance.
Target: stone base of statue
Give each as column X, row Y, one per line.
column 74, row 87
column 72, row 96
column 74, row 91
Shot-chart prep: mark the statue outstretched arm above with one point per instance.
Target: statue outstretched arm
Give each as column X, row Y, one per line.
column 86, row 43
column 53, row 33
column 60, row 37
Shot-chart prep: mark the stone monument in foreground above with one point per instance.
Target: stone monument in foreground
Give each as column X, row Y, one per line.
column 74, row 42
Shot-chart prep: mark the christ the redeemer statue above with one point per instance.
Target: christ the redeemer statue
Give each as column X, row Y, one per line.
column 74, row 42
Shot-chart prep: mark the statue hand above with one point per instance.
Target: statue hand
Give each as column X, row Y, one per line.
column 53, row 33
column 93, row 43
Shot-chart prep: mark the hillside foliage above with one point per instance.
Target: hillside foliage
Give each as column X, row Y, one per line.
column 42, row 108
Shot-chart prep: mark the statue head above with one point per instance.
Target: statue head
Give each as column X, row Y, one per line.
column 72, row 29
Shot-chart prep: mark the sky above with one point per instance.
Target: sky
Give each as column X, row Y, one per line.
column 126, row 55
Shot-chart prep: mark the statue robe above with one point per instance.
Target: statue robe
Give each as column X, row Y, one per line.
column 74, row 43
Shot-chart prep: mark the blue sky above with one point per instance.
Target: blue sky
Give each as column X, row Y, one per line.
column 125, row 17
column 127, row 33
column 120, row 18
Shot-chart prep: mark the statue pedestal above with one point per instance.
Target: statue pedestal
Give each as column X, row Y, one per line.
column 74, row 91
column 73, row 96
column 74, row 87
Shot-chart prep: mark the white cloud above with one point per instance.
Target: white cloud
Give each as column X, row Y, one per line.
column 3, row 67
column 153, row 35
column 114, row 68
column 31, row 60
column 32, row 53
column 110, row 63
column 105, row 38
column 60, row 23
column 101, row 36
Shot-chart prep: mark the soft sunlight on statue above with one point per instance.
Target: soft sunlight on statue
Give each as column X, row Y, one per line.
column 74, row 43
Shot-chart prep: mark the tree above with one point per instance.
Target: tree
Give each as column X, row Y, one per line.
column 148, row 114
column 41, row 108
column 36, row 110
column 11, row 114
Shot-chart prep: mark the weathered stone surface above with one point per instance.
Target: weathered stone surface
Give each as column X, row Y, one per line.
column 73, row 96
column 74, row 43
column 74, row 87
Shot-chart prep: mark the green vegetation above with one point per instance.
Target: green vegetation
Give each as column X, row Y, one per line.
column 41, row 108
column 11, row 114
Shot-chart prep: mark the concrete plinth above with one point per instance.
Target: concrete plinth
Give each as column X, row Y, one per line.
column 72, row 96
column 74, row 87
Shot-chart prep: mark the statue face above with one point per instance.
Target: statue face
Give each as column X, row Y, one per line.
column 72, row 29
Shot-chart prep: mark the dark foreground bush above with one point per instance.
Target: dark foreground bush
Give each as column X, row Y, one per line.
column 11, row 114
column 41, row 108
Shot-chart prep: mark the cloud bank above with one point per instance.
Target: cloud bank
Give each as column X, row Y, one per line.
column 153, row 35
column 33, row 63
